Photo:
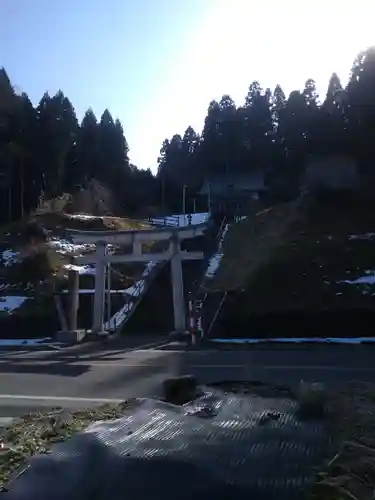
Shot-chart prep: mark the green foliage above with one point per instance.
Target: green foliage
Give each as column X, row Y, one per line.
column 279, row 134
column 44, row 151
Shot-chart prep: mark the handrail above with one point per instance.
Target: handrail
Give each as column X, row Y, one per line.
column 218, row 238
column 217, row 313
column 201, row 288
column 204, row 291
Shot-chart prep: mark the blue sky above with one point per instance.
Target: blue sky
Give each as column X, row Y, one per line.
column 156, row 64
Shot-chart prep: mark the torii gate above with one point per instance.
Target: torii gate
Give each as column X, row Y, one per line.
column 136, row 239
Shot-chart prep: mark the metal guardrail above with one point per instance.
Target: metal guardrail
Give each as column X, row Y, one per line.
column 167, row 221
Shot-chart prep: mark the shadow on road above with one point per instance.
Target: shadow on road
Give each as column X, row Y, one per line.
column 61, row 369
column 112, row 350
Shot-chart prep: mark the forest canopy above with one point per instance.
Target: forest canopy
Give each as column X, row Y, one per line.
column 45, row 150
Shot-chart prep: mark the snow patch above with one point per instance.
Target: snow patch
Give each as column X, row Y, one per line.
column 365, row 236
column 213, row 265
column 65, row 247
column 134, row 291
column 239, row 218
column 368, row 279
column 119, row 318
column 215, row 260
column 84, row 216
column 82, row 270
column 326, row 340
column 148, row 269
column 22, row 342
column 9, row 257
column 10, row 303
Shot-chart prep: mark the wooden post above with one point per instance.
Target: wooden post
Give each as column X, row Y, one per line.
column 177, row 285
column 74, row 298
column 109, row 308
column 99, row 294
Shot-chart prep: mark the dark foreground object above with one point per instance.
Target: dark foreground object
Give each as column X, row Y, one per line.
column 220, row 446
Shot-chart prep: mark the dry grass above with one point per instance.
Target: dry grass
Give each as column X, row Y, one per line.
column 37, row 260
column 62, row 221
column 250, row 244
column 299, row 258
column 57, row 204
column 350, row 474
column 36, row 433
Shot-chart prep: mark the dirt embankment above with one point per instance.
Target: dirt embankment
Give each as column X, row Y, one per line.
column 314, row 255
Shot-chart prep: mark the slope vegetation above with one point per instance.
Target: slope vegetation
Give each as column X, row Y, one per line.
column 309, row 264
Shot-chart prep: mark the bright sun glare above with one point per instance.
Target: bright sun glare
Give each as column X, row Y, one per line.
column 238, row 41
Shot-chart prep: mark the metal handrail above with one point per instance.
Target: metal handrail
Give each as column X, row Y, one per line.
column 218, row 238
column 166, row 220
column 201, row 289
column 217, row 313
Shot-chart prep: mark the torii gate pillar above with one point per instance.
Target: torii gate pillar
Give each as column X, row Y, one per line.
column 177, row 286
column 99, row 293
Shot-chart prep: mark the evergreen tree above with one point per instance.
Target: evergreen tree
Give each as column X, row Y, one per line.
column 43, row 150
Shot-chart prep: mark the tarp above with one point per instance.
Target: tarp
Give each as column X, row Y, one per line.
column 220, row 446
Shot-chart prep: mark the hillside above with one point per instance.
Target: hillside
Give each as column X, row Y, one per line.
column 312, row 257
column 326, row 260
column 35, row 258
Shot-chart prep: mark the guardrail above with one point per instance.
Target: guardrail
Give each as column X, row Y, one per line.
column 167, row 221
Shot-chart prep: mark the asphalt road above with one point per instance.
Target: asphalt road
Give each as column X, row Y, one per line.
column 82, row 377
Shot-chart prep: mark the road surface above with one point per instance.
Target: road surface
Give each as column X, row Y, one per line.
column 82, row 377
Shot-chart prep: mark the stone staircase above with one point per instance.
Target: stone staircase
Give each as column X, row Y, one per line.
column 249, row 243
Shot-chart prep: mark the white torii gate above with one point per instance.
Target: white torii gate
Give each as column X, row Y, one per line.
column 136, row 239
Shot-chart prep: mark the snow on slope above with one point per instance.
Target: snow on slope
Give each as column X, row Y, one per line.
column 215, row 260
column 134, row 291
column 9, row 303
